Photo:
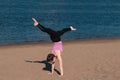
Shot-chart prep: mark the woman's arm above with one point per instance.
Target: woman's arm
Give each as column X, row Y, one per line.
column 60, row 61
column 53, row 67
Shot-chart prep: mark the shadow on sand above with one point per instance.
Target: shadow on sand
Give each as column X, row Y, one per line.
column 47, row 65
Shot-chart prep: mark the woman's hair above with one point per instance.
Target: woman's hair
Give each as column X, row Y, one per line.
column 50, row 57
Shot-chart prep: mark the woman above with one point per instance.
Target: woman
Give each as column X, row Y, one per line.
column 57, row 44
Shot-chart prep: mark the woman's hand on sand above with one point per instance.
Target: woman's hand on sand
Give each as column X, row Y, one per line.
column 72, row 28
column 50, row 73
column 35, row 21
column 60, row 75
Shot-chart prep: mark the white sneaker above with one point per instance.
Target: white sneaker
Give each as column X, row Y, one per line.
column 35, row 21
column 72, row 28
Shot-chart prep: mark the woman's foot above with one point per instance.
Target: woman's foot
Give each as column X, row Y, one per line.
column 35, row 21
column 72, row 28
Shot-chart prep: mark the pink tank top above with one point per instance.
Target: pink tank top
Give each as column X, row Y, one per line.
column 57, row 46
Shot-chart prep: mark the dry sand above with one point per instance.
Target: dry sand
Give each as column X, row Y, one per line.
column 82, row 59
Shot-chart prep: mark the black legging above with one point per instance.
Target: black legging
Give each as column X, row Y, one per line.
column 54, row 35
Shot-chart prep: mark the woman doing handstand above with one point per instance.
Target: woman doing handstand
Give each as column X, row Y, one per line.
column 57, row 44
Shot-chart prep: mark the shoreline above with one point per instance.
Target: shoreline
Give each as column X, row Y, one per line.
column 64, row 41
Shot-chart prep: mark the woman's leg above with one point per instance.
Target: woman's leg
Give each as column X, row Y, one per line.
column 58, row 54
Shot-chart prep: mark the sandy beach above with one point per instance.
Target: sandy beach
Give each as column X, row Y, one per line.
column 82, row 60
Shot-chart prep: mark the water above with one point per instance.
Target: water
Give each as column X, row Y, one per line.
column 92, row 18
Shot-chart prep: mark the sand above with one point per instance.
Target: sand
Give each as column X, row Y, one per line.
column 82, row 60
